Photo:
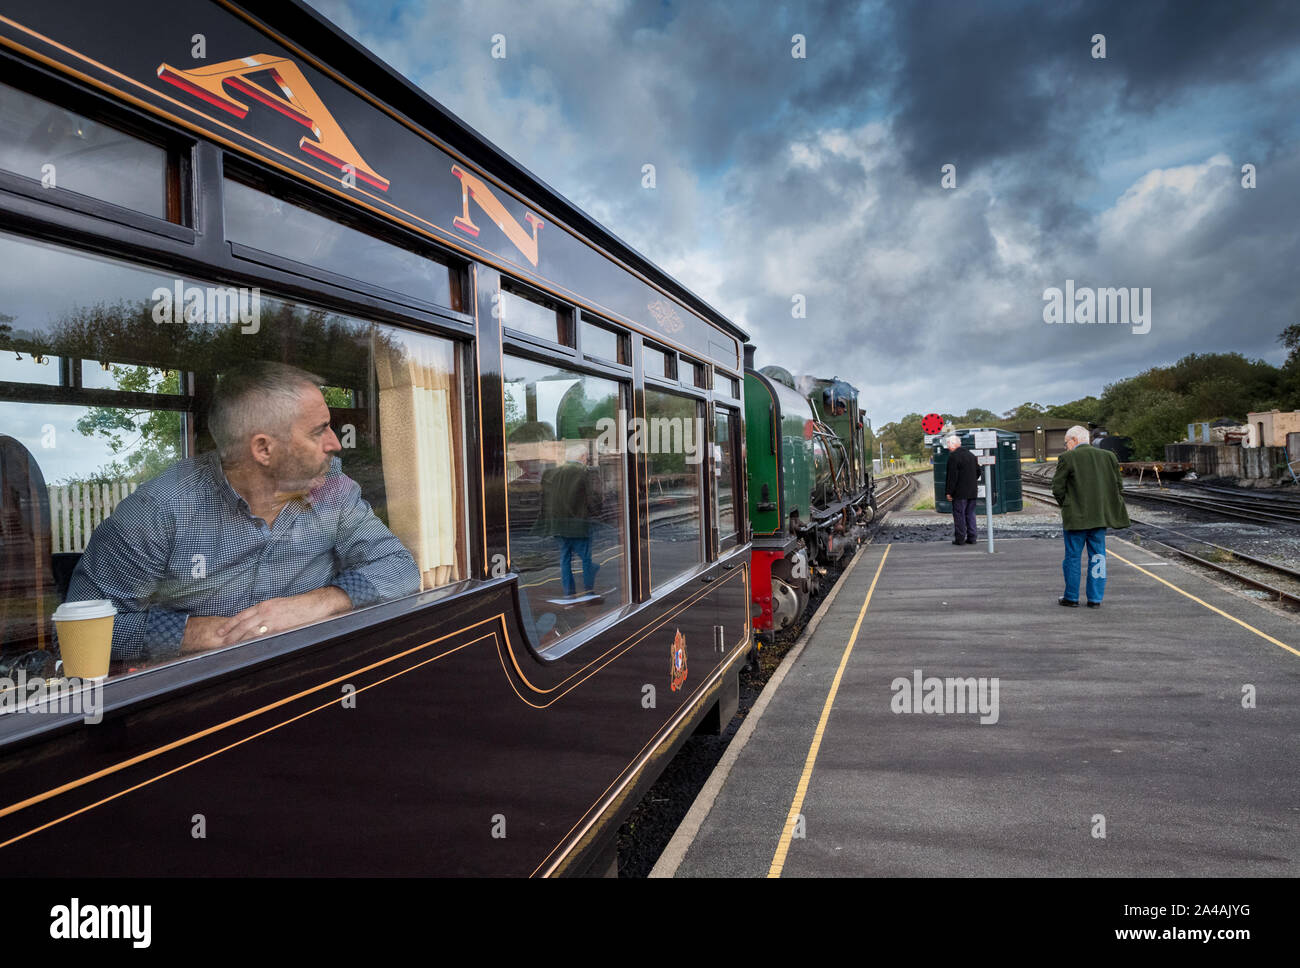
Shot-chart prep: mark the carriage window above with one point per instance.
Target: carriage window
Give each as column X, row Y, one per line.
column 600, row 343
column 333, row 481
column 567, row 496
column 536, row 317
column 60, row 149
column 725, row 471
column 675, row 446
column 659, row 363
column 262, row 221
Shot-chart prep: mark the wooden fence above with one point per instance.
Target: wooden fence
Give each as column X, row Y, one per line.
column 75, row 510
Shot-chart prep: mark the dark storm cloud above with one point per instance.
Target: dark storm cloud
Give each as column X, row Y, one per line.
column 980, row 81
column 820, row 176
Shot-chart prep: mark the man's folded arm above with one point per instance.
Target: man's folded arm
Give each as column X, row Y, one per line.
column 124, row 562
column 374, row 566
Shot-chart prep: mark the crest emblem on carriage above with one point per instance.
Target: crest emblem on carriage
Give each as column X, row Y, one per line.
column 677, row 662
column 665, row 314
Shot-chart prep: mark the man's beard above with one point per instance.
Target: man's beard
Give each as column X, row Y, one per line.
column 298, row 479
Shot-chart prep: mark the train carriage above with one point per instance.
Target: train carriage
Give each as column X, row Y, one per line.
column 550, row 426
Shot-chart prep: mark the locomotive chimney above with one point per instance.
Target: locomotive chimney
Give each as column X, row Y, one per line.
column 749, row 356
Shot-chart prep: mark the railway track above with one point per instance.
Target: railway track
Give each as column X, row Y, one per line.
column 1280, row 582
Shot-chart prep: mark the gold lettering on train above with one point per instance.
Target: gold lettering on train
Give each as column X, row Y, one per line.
column 472, row 187
column 296, row 99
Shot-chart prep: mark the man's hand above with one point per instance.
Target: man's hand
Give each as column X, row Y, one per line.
column 279, row 614
column 202, row 633
column 948, row 496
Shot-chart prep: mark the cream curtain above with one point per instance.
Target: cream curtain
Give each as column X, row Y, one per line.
column 417, row 408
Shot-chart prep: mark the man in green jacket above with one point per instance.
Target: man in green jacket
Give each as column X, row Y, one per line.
column 1090, row 490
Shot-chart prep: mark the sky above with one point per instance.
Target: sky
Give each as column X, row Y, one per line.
column 799, row 151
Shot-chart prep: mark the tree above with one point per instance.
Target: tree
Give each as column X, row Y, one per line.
column 154, row 442
column 1086, row 410
column 1026, row 411
column 976, row 417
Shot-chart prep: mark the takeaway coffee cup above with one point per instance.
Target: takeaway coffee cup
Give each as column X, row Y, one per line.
column 85, row 637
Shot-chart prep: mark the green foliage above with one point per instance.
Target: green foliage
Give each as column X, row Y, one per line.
column 976, row 417
column 1085, row 410
column 1155, row 407
column 145, row 442
column 1026, row 411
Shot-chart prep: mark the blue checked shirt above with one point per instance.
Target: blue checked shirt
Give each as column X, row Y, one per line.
column 186, row 543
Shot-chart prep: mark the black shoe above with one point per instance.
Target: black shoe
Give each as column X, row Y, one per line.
column 1094, row 604
column 957, row 541
column 1068, row 603
column 970, row 540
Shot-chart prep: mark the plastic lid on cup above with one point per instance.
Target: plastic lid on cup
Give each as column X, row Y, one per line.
column 80, row 611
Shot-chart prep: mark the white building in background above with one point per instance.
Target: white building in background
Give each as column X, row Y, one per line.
column 1275, row 428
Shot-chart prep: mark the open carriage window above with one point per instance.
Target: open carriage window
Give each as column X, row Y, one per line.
column 217, row 463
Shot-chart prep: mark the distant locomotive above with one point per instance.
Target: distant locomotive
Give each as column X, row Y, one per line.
column 810, row 486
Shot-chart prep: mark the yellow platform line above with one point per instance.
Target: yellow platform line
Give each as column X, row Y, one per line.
column 1218, row 611
column 783, row 847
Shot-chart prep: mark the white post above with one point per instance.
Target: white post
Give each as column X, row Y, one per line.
column 988, row 504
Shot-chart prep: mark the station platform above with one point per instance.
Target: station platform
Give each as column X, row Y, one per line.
column 1121, row 745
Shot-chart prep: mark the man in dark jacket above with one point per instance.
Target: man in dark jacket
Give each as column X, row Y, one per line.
column 1090, row 489
column 962, row 488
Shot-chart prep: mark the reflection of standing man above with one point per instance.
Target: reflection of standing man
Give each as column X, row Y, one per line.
column 961, row 487
column 571, row 497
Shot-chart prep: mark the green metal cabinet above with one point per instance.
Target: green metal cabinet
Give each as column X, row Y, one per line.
column 1006, row 473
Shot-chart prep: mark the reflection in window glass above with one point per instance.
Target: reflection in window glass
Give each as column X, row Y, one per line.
column 27, row 367
column 603, row 344
column 658, row 363
column 725, row 471
column 262, row 221
column 116, row 489
column 696, row 374
column 566, row 487
column 675, row 446
column 106, row 375
column 534, row 318
column 39, row 140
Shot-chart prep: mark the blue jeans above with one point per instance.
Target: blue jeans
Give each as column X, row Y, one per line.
column 582, row 548
column 1095, row 539
column 963, row 518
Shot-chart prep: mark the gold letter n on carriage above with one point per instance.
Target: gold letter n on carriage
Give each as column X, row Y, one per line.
column 474, row 189
column 294, row 98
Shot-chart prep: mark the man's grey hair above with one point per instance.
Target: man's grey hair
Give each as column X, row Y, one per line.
column 951, row 441
column 1078, row 433
column 257, row 398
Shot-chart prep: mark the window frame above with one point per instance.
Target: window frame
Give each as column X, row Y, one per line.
column 731, row 540
column 250, row 176
column 512, row 336
column 179, row 671
column 621, row 333
column 701, row 403
column 180, row 190
column 585, row 634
